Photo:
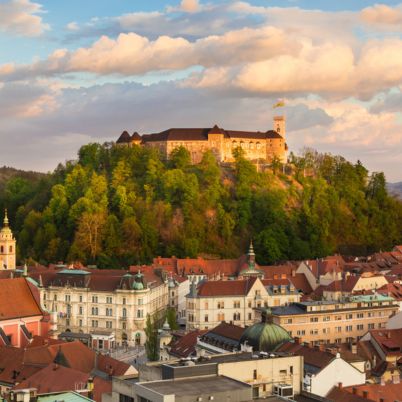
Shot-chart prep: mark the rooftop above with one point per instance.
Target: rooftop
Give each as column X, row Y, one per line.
column 195, row 385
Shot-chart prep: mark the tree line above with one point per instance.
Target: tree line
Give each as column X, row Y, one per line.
column 117, row 206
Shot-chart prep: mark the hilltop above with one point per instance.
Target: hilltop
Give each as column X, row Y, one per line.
column 117, row 206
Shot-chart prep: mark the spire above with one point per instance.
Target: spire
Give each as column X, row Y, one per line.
column 5, row 222
column 251, row 255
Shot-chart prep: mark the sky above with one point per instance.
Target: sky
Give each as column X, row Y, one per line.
column 74, row 72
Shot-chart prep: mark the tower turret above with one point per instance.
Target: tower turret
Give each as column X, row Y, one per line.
column 280, row 125
column 7, row 245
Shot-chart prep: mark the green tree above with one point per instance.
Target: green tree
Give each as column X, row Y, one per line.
column 151, row 343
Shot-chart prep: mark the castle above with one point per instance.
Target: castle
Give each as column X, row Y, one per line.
column 257, row 146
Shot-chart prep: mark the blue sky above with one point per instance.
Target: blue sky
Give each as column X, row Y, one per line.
column 74, row 72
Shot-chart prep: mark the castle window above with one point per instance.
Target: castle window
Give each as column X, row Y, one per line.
column 258, row 145
column 2, row 249
column 234, row 144
column 251, row 145
column 242, row 144
column 11, row 249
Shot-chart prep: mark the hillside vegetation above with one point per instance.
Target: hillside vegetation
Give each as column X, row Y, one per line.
column 118, row 206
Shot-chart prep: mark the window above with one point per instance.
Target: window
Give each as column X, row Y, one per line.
column 327, row 318
column 289, row 320
column 109, row 300
column 124, row 300
column 44, row 296
column 80, row 298
column 360, row 327
column 81, row 310
column 140, row 302
column 254, row 374
column 349, row 328
column 95, row 310
column 109, row 312
column 206, row 318
column 140, row 314
column 301, row 332
column 94, row 323
column 249, row 304
column 371, row 326
column 94, row 299
column 349, row 316
column 360, row 315
column 80, row 323
column 68, row 298
column 236, row 316
column 314, row 319
column 124, row 312
column 109, row 324
column 314, row 332
column 249, row 316
column 338, row 329
column 221, row 317
column 55, row 297
column 221, row 304
column 123, row 325
column 326, row 331
column 236, row 304
column 10, row 249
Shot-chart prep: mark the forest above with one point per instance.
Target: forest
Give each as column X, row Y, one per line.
column 118, row 206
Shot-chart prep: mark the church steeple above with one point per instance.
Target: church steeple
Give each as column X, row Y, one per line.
column 7, row 245
column 251, row 255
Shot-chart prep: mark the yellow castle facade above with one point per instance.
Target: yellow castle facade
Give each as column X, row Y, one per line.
column 256, row 145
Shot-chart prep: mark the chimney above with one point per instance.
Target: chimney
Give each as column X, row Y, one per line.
column 396, row 378
column 293, row 273
column 297, row 340
column 311, row 344
column 389, row 335
column 365, row 394
column 353, row 348
column 321, row 347
column 340, row 385
column 354, row 390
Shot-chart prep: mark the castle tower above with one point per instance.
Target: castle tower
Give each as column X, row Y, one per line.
column 280, row 125
column 7, row 246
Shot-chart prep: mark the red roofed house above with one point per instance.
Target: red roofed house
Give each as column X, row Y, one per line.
column 21, row 316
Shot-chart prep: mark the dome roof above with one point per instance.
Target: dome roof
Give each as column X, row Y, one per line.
column 138, row 286
column 265, row 336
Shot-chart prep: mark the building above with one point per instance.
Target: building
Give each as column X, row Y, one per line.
column 264, row 372
column 21, row 316
column 322, row 369
column 7, row 246
column 110, row 305
column 335, row 322
column 49, row 365
column 211, row 302
column 257, row 146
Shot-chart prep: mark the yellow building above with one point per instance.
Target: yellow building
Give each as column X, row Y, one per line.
column 335, row 321
column 257, row 145
column 7, row 246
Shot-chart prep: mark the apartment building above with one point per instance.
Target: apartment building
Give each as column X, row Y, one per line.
column 211, row 302
column 335, row 321
column 111, row 305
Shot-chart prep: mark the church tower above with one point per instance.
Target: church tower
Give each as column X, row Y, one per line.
column 7, row 246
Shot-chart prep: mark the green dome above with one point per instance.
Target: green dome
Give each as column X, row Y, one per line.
column 138, row 286
column 265, row 336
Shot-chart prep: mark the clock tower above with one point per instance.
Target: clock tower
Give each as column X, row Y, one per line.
column 7, row 246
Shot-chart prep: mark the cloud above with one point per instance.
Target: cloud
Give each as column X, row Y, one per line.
column 382, row 14
column 21, row 17
column 189, row 6
column 72, row 26
column 132, row 54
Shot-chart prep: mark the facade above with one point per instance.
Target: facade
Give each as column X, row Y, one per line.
column 235, row 301
column 335, row 322
column 323, row 369
column 7, row 246
column 257, row 146
column 21, row 316
column 111, row 305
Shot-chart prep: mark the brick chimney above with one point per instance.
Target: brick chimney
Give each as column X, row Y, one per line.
column 354, row 390
column 365, row 394
column 340, row 385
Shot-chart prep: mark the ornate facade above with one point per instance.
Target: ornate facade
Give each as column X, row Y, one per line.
column 257, row 146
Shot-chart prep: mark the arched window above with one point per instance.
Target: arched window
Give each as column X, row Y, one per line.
column 251, row 145
column 124, row 312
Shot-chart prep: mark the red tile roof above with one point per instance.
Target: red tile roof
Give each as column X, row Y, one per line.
column 17, row 300
column 225, row 287
column 387, row 392
column 227, row 330
column 342, row 395
column 389, row 340
column 54, row 378
column 184, row 346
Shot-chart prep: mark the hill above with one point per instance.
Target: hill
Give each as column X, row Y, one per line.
column 395, row 189
column 117, row 206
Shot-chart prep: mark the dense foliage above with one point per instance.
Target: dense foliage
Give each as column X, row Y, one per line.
column 117, row 206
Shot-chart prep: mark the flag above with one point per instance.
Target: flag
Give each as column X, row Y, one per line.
column 280, row 103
